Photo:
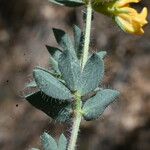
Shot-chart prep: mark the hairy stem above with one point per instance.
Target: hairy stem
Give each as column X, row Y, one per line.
column 76, row 122
column 78, row 102
column 76, row 125
column 87, row 34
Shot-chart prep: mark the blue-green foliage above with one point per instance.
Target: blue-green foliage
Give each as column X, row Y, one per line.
column 54, row 51
column 54, row 56
column 96, row 105
column 60, row 111
column 64, row 41
column 92, row 74
column 66, row 77
column 70, row 69
column 62, row 143
column 48, row 143
column 102, row 54
column 68, row 62
column 57, row 88
column 78, row 41
column 50, row 86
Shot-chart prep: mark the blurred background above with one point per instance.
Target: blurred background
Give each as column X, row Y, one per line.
column 25, row 29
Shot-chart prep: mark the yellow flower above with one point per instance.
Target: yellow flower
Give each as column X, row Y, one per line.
column 126, row 17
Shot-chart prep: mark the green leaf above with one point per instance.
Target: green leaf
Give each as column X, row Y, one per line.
column 102, row 54
column 60, row 111
column 96, row 105
column 64, row 41
column 48, row 142
column 34, row 149
column 69, row 3
column 78, row 39
column 50, row 85
column 92, row 74
column 70, row 70
column 62, row 143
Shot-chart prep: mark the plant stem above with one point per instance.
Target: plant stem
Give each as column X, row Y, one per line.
column 75, row 130
column 87, row 34
column 78, row 102
column 76, row 122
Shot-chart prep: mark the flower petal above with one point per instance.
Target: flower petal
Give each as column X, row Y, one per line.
column 143, row 16
column 122, row 3
column 125, row 25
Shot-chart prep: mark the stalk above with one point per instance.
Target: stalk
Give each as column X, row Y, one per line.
column 76, row 122
column 78, row 102
column 87, row 34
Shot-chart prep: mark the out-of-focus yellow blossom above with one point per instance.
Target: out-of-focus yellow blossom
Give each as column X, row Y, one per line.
column 126, row 17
